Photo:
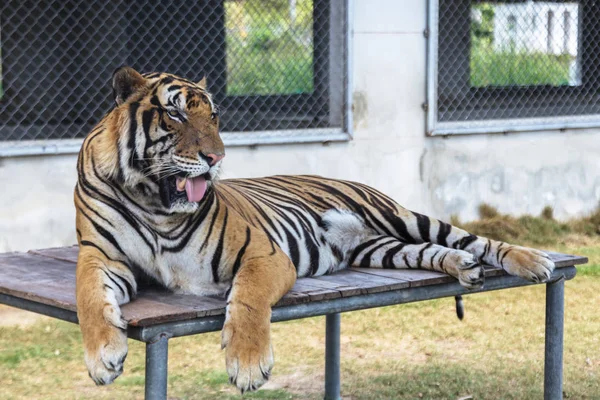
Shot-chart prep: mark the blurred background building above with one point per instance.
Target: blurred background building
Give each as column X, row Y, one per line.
column 441, row 104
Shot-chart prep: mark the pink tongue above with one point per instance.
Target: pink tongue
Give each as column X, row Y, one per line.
column 195, row 188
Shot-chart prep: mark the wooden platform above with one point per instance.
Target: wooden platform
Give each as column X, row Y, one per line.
column 48, row 277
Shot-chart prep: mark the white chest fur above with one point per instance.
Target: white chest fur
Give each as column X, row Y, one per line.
column 187, row 272
column 184, row 270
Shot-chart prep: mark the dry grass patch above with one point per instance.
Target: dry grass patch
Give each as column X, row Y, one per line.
column 533, row 230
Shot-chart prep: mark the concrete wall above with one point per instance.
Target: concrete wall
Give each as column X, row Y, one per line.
column 439, row 176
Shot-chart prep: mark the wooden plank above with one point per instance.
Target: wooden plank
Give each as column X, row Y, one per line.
column 565, row 260
column 351, row 281
column 327, row 288
column 317, row 290
column 493, row 271
column 157, row 305
column 413, row 277
column 386, row 273
column 402, row 275
column 60, row 253
column 293, row 297
column 37, row 278
column 306, row 290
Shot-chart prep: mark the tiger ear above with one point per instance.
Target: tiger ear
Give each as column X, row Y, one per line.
column 125, row 82
column 202, row 82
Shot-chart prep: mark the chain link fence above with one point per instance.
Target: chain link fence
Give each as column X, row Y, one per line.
column 511, row 65
column 270, row 64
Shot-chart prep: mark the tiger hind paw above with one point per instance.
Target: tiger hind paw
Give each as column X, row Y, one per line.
column 530, row 264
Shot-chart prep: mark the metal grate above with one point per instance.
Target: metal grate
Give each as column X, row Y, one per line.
column 513, row 65
column 270, row 64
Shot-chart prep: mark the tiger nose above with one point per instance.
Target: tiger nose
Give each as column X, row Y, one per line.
column 214, row 158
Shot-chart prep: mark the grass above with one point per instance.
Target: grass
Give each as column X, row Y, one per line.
column 413, row 351
column 506, row 68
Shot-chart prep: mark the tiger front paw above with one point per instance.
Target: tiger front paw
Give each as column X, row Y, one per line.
column 105, row 348
column 533, row 265
column 249, row 355
column 466, row 268
column 471, row 274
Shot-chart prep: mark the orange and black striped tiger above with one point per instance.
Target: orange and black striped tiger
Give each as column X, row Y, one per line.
column 148, row 201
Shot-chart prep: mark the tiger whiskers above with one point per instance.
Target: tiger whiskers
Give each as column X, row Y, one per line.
column 159, row 168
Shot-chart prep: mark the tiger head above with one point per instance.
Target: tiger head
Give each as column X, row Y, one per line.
column 167, row 134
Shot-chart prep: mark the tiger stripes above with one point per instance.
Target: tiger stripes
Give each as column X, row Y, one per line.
column 149, row 205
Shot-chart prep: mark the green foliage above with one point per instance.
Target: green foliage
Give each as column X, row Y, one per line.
column 268, row 52
column 483, row 30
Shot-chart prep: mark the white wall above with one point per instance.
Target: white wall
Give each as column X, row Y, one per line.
column 438, row 176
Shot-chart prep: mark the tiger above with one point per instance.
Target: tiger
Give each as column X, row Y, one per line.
column 149, row 203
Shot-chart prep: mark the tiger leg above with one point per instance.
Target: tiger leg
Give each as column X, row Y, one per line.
column 361, row 246
column 531, row 264
column 258, row 284
column 386, row 217
column 527, row 263
column 380, row 251
column 103, row 285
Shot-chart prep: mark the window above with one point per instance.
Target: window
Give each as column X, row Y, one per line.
column 278, row 67
column 513, row 66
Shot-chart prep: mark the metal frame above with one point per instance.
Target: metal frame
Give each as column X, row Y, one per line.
column 332, row 356
column 436, row 128
column 553, row 361
column 157, row 361
column 157, row 336
column 231, row 139
column 253, row 138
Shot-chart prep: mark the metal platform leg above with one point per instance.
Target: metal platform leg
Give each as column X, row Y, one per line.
column 157, row 358
column 553, row 367
column 332, row 356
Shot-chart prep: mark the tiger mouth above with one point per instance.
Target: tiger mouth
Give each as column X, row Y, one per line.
column 181, row 188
